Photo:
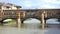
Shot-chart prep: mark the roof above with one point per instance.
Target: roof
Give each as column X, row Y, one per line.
column 8, row 4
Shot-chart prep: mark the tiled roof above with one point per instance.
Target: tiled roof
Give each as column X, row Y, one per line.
column 8, row 4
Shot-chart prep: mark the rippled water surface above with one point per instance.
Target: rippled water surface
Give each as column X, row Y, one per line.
column 30, row 28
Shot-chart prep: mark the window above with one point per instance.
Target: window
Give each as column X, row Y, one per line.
column 7, row 7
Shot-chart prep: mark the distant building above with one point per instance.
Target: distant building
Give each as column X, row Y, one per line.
column 8, row 6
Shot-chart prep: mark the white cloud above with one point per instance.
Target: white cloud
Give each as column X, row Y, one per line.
column 49, row 1
column 47, row 6
column 27, row 3
column 41, row 4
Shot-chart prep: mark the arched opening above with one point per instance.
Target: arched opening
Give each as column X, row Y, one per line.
column 52, row 21
column 31, row 20
column 31, row 23
column 9, row 21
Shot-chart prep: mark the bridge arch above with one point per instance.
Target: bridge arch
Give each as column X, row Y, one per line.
column 52, row 21
column 8, row 19
column 51, row 18
column 2, row 22
column 37, row 18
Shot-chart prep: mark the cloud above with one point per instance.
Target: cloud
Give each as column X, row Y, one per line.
column 49, row 3
column 47, row 6
column 27, row 3
column 41, row 3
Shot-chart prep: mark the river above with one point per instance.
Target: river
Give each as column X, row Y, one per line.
column 32, row 28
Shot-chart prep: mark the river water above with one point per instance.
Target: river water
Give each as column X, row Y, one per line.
column 32, row 28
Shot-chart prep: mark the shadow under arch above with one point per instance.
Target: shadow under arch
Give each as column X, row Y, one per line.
column 37, row 18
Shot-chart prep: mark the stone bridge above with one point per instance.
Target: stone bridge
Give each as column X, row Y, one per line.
column 23, row 14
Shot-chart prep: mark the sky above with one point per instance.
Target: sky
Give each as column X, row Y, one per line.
column 35, row 4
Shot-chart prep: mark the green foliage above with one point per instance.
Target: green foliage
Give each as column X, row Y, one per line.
column 10, row 21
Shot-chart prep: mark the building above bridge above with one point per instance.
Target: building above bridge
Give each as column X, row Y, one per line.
column 8, row 6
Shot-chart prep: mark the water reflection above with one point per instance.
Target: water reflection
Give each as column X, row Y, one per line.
column 31, row 28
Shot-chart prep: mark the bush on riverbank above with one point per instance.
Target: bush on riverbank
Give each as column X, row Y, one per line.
column 9, row 21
